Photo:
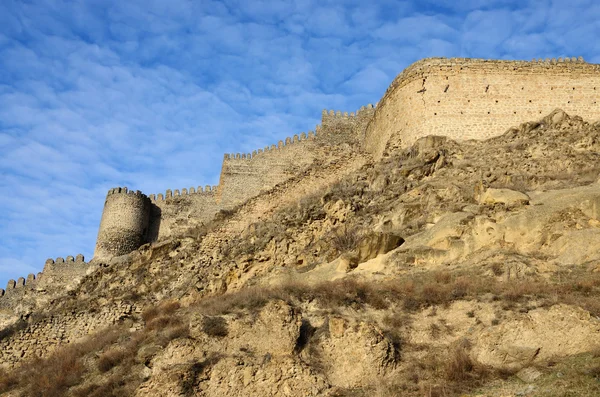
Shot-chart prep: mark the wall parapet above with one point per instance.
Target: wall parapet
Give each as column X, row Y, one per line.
column 477, row 98
column 32, row 279
column 282, row 144
column 207, row 190
column 20, row 283
column 125, row 190
column 327, row 115
column 345, row 115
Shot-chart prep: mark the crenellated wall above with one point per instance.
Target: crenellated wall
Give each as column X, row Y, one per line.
column 131, row 219
column 57, row 277
column 346, row 128
column 477, row 99
column 179, row 209
column 458, row 98
column 246, row 175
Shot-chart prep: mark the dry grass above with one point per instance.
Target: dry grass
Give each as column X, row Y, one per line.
column 345, row 238
column 54, row 375
column 110, row 359
column 113, row 351
column 461, row 369
column 165, row 308
column 417, row 292
column 117, row 353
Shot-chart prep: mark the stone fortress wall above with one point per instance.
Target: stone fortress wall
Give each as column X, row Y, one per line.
column 478, row 99
column 246, row 175
column 458, row 98
column 131, row 219
column 180, row 208
column 57, row 277
column 46, row 334
column 125, row 223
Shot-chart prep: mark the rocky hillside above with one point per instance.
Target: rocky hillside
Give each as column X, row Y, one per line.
column 448, row 268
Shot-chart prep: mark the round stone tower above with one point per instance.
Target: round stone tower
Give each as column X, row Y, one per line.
column 124, row 224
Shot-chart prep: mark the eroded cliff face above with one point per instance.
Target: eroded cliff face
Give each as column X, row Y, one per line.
column 444, row 269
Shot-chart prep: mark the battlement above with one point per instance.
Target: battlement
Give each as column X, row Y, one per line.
column 207, row 190
column 69, row 260
column 273, row 148
column 345, row 115
column 20, row 283
column 459, row 98
column 124, row 190
column 559, row 60
column 547, row 66
column 328, row 117
column 59, row 269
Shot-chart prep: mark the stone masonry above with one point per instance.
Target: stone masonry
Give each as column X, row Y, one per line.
column 477, row 99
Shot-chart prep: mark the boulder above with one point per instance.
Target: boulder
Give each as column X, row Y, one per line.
column 508, row 197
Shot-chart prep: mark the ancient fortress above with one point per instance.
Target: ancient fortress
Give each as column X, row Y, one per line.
column 458, row 98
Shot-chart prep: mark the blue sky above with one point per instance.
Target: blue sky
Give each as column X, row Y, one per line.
column 149, row 94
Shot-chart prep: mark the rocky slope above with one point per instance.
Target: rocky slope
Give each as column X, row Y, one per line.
column 447, row 268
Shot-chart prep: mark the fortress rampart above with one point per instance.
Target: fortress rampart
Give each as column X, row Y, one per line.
column 57, row 276
column 131, row 219
column 246, row 175
column 177, row 209
column 478, row 99
column 458, row 98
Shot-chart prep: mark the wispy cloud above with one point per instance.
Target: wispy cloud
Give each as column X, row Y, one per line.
column 150, row 94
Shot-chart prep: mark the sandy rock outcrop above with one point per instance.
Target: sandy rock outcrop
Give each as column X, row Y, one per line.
column 538, row 335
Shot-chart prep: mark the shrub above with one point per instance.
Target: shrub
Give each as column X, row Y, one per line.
column 7, row 380
column 53, row 376
column 110, row 359
column 346, row 238
column 160, row 313
column 215, row 326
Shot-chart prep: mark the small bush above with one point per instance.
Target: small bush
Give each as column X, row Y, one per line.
column 110, row 359
column 53, row 376
column 346, row 238
column 150, row 313
column 7, row 380
column 165, row 308
column 460, row 369
column 215, row 326
column 175, row 332
column 497, row 269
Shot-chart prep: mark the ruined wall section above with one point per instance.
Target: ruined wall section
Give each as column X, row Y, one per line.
column 64, row 274
column 58, row 277
column 478, row 99
column 246, row 175
column 125, row 222
column 40, row 338
column 339, row 128
column 177, row 210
